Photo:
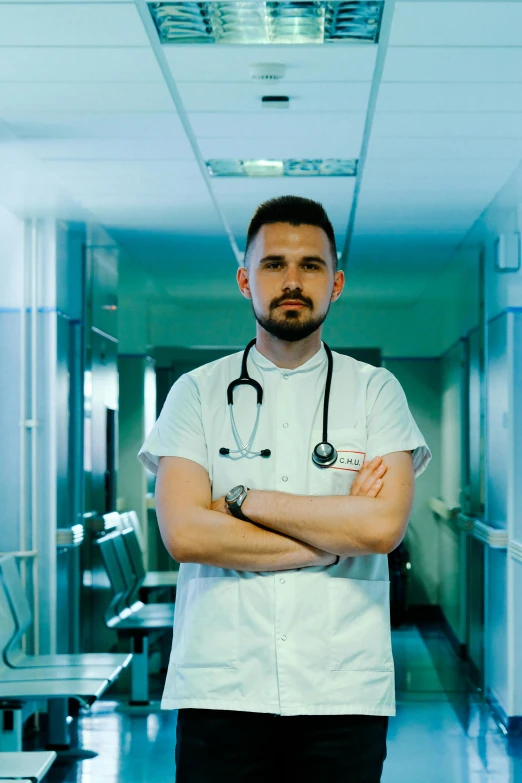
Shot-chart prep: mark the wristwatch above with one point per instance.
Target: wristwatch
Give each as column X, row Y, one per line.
column 235, row 499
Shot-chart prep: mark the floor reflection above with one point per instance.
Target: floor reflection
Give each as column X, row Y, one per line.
column 443, row 732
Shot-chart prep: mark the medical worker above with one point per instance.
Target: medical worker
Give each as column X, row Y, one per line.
column 285, row 475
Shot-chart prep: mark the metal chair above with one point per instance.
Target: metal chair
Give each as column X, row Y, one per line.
column 149, row 580
column 14, row 655
column 130, row 618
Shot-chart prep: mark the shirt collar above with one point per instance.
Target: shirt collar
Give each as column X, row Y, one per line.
column 315, row 361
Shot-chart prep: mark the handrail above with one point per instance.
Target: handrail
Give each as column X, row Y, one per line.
column 442, row 510
column 515, row 550
column 465, row 522
column 494, row 537
column 69, row 537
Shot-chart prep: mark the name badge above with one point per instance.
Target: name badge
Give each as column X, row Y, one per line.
column 349, row 460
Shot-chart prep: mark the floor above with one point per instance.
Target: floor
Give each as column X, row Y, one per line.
column 443, row 732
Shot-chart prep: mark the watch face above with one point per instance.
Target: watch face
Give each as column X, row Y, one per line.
column 234, row 494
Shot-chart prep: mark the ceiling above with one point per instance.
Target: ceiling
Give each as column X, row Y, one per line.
column 99, row 121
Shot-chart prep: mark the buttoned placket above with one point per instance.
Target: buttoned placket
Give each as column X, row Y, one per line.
column 285, row 482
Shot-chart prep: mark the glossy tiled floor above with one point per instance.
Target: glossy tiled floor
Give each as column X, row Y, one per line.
column 443, row 733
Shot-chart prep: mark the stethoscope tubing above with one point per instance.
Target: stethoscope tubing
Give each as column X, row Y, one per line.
column 324, row 455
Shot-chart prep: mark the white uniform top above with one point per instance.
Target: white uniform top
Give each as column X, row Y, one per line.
column 314, row 640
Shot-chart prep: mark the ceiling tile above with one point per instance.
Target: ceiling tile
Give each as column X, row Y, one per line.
column 76, row 64
column 453, row 64
column 76, row 24
column 445, row 97
column 432, row 173
column 84, row 97
column 246, row 97
column 120, row 171
column 276, row 124
column 304, row 63
column 240, row 197
column 89, row 125
column 163, row 148
column 435, row 124
column 446, row 148
column 306, row 145
column 456, row 23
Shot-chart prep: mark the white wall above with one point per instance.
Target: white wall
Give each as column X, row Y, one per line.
column 503, row 602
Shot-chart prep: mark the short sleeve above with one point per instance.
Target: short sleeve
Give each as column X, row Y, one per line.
column 178, row 431
column 390, row 424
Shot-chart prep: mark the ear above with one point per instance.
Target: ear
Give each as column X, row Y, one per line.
column 242, row 281
column 338, row 285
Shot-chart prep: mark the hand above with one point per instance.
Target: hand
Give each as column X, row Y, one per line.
column 368, row 482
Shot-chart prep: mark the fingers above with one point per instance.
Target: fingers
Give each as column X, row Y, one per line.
column 369, row 478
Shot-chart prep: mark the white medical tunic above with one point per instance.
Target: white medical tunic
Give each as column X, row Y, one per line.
column 306, row 641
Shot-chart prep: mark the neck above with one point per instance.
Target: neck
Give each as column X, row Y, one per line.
column 287, row 355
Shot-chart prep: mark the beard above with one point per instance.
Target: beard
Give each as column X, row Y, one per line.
column 292, row 325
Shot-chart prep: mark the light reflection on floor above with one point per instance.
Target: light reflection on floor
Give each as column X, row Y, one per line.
column 443, row 732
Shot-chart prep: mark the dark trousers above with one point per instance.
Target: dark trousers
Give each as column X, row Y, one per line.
column 226, row 746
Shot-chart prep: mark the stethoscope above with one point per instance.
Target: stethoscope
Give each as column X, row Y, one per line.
column 323, row 454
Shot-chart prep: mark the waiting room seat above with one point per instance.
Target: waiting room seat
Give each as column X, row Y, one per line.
column 148, row 580
column 107, row 665
column 132, row 580
column 26, row 766
column 130, row 618
column 52, row 685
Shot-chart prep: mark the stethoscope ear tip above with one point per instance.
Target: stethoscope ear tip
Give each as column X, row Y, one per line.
column 224, row 451
column 265, row 453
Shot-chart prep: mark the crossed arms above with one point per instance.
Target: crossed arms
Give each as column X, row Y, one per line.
column 290, row 531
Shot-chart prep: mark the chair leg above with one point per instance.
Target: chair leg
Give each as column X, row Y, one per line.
column 58, row 730
column 140, row 670
column 10, row 727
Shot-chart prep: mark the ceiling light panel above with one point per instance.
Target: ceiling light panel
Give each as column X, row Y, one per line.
column 259, row 22
column 292, row 167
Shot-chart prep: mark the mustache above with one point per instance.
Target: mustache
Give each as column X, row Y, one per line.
column 294, row 297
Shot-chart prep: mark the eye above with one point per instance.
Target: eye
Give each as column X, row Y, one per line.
column 311, row 266
column 274, row 265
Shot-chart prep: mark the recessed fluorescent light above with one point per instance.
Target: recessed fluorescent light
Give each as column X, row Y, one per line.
column 293, row 167
column 260, row 22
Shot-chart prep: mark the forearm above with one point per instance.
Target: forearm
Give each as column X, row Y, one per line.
column 212, row 538
column 344, row 525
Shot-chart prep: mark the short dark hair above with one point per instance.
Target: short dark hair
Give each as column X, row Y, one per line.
column 294, row 210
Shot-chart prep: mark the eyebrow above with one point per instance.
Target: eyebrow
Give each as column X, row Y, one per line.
column 316, row 259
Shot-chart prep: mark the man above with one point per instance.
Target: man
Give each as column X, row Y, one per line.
column 282, row 605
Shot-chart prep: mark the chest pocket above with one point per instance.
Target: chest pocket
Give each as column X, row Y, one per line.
column 350, row 443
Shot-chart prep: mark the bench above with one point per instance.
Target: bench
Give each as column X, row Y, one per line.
column 130, row 618
column 26, row 766
column 149, row 581
column 54, row 686
column 14, row 655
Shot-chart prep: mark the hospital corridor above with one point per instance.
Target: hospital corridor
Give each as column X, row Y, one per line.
column 261, row 391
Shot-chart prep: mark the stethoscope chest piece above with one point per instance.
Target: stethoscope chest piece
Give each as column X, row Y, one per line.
column 324, row 455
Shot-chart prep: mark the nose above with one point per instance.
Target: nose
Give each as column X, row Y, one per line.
column 292, row 279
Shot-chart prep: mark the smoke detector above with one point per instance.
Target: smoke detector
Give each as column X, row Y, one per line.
column 267, row 72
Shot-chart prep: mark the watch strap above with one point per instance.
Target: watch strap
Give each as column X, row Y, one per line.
column 235, row 508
